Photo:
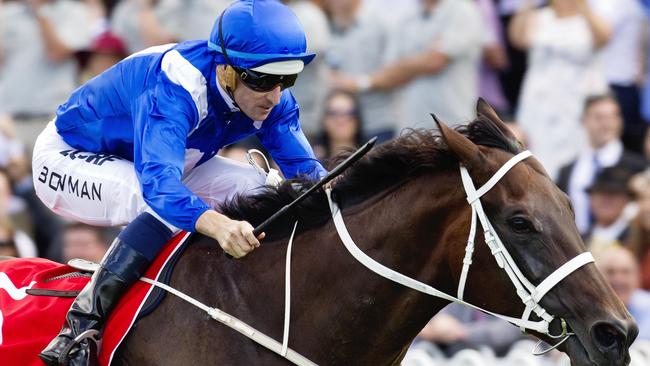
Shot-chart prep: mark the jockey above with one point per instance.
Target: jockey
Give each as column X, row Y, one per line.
column 137, row 145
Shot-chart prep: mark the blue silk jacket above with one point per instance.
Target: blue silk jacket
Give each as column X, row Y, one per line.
column 162, row 109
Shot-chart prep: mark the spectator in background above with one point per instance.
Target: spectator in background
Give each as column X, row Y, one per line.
column 106, row 50
column 623, row 63
column 359, row 46
column 511, row 77
column 639, row 238
column 84, row 241
column 646, row 146
column 11, row 148
column 7, row 245
column 394, row 12
column 622, row 272
column 43, row 224
column 645, row 89
column 603, row 124
column 438, row 54
column 341, row 125
column 609, row 195
column 98, row 11
column 18, row 208
column 8, row 232
column 312, row 85
column 27, row 212
column 458, row 327
column 562, row 40
column 38, row 41
column 142, row 24
column 190, row 19
column 495, row 59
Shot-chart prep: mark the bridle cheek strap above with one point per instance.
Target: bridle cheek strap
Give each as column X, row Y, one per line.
column 529, row 294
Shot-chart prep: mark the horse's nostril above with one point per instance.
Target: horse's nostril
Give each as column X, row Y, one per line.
column 609, row 337
column 606, row 336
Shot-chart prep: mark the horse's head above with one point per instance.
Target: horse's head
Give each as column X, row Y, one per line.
column 535, row 222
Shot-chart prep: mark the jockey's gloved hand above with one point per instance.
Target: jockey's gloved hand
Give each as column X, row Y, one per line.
column 235, row 237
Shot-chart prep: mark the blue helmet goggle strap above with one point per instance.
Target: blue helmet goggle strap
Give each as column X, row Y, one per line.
column 256, row 81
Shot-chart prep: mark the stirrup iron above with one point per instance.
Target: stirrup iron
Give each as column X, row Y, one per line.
column 92, row 335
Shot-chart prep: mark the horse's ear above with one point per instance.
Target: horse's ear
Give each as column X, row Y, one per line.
column 465, row 150
column 484, row 109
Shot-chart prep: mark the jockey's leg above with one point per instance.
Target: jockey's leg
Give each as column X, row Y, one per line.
column 99, row 190
column 127, row 259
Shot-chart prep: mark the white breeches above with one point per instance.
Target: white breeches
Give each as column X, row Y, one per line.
column 103, row 190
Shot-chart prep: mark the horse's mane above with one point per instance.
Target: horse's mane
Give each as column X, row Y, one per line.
column 414, row 153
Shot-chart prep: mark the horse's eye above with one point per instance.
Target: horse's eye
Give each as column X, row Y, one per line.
column 521, row 225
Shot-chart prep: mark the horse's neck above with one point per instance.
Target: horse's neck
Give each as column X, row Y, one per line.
column 341, row 313
column 405, row 230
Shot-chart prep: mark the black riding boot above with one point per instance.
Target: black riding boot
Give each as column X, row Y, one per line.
column 76, row 343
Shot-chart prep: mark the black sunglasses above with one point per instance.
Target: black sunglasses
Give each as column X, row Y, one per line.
column 262, row 82
column 257, row 81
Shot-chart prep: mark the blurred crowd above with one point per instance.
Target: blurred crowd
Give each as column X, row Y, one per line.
column 569, row 77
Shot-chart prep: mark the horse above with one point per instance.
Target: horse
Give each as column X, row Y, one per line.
column 405, row 206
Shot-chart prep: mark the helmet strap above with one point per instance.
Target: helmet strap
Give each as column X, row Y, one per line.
column 223, row 44
column 229, row 75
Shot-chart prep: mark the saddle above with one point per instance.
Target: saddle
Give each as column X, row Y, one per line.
column 36, row 293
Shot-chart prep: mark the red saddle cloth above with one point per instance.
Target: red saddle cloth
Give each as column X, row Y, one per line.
column 28, row 323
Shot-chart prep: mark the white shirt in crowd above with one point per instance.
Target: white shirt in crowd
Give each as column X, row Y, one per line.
column 30, row 84
column 510, row 7
column 393, row 11
column 454, row 28
column 310, row 88
column 191, row 19
column 622, row 54
column 362, row 49
column 609, row 234
column 564, row 68
column 24, row 245
column 10, row 149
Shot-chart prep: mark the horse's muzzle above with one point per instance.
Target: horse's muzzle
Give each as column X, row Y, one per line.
column 612, row 339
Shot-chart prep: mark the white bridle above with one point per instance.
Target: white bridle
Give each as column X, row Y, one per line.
column 530, row 295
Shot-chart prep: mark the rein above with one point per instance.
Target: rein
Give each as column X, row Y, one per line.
column 530, row 295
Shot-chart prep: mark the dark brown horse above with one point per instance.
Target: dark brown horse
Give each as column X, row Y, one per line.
column 405, row 206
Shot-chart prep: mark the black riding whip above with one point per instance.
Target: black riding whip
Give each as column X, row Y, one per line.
column 326, row 179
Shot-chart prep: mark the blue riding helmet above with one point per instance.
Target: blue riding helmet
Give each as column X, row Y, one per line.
column 260, row 35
